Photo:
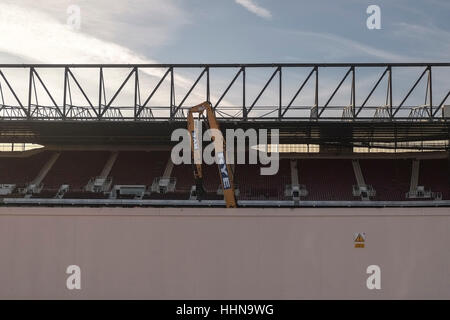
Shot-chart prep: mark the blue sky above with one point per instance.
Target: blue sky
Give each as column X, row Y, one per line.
column 226, row 31
column 323, row 30
column 185, row 31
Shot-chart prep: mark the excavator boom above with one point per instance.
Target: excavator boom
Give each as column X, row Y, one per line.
column 225, row 172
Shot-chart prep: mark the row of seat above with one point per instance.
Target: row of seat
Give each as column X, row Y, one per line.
column 325, row 179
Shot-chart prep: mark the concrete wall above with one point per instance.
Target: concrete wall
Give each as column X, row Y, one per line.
column 190, row 253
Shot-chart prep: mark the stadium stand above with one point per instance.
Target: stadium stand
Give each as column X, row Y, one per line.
column 330, row 152
column 327, row 179
column 138, row 167
column 74, row 168
column 21, row 170
column 185, row 179
column 435, row 174
column 389, row 177
column 254, row 186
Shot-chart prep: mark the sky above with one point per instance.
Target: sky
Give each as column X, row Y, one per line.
column 222, row 31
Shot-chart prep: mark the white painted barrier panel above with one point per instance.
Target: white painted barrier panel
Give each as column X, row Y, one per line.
column 192, row 253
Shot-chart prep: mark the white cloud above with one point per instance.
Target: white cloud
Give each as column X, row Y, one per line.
column 422, row 32
column 30, row 35
column 352, row 48
column 135, row 23
column 40, row 32
column 430, row 41
column 37, row 36
column 253, row 7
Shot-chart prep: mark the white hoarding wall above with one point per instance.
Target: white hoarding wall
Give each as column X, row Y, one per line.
column 192, row 253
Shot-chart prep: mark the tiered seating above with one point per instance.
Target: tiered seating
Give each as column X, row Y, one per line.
column 139, row 167
column 251, row 184
column 434, row 174
column 21, row 170
column 254, row 186
column 390, row 178
column 211, row 178
column 327, row 179
column 75, row 168
column 46, row 194
column 185, row 178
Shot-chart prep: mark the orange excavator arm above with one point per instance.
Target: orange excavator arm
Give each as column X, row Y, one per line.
column 225, row 172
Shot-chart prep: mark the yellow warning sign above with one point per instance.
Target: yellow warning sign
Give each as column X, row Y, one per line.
column 359, row 239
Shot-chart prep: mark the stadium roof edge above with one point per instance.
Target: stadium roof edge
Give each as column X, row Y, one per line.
column 228, row 65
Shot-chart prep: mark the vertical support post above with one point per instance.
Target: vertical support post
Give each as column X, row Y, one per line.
column 172, row 93
column 280, row 93
column 207, row 85
column 430, row 91
column 353, row 92
column 390, row 91
column 100, row 88
column 30, row 85
column 316, row 95
column 136, row 92
column 65, row 92
column 244, row 108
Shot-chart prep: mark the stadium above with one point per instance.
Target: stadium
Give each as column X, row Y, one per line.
column 87, row 179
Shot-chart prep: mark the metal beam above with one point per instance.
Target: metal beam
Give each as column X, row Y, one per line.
column 14, row 94
column 189, row 92
column 82, row 91
column 441, row 104
column 228, row 65
column 228, row 87
column 48, row 93
column 334, row 92
column 263, row 89
column 409, row 92
column 371, row 92
column 298, row 92
column 118, row 91
column 239, row 112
